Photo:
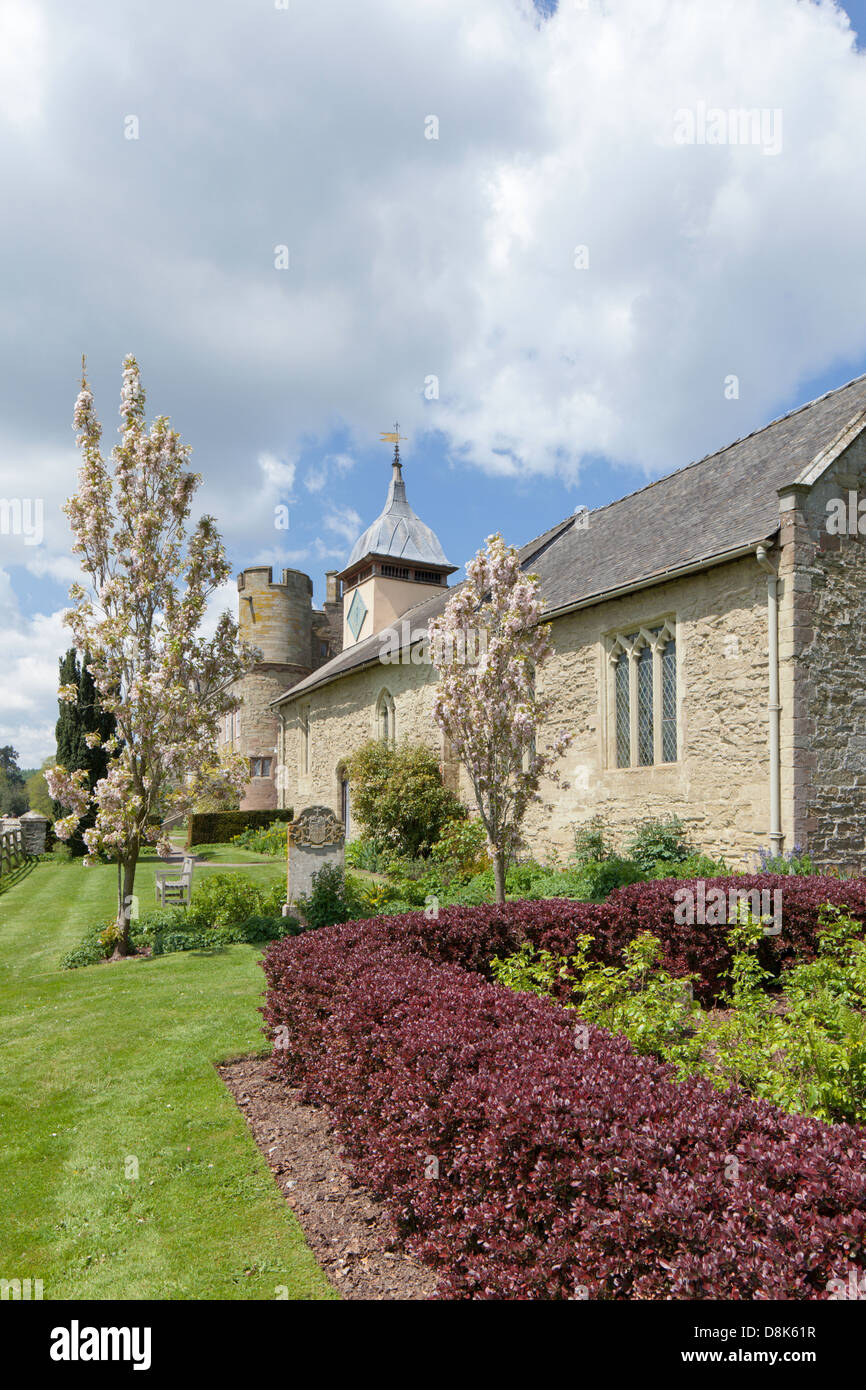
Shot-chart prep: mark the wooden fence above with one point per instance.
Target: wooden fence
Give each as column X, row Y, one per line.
column 12, row 852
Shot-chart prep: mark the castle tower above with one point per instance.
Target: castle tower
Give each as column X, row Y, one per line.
column 395, row 564
column 277, row 618
column 293, row 639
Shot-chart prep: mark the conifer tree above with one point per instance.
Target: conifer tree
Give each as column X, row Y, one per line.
column 79, row 717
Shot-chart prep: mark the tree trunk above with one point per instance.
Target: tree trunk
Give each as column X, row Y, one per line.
column 125, row 887
column 499, row 874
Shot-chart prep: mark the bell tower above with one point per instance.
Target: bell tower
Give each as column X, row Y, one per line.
column 394, row 565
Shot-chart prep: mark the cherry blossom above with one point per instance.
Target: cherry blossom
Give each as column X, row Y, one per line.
column 150, row 573
column 490, row 708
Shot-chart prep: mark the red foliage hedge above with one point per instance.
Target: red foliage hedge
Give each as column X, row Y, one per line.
column 471, row 936
column 562, row 1168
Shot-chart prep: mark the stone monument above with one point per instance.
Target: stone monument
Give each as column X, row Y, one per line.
column 315, row 838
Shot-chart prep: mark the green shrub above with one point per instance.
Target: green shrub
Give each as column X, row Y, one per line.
column 805, row 1053
column 97, row 944
column 89, row 952
column 264, row 927
column 659, row 841
column 696, row 866
column 589, row 843
column 599, row 878
column 363, row 854
column 174, row 935
column 398, row 797
column 334, row 897
column 263, row 839
column 461, row 850
column 224, row 900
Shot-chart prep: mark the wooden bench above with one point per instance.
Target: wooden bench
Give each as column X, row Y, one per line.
column 175, row 890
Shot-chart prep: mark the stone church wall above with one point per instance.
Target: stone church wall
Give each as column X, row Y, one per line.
column 720, row 784
column 829, row 572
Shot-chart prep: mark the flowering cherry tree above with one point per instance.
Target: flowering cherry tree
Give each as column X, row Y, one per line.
column 149, row 576
column 487, row 647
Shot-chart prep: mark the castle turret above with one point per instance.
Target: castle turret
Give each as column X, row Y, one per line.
column 277, row 618
column 293, row 639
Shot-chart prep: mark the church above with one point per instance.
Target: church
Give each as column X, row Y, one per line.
column 709, row 654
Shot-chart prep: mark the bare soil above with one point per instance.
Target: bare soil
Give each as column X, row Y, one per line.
column 347, row 1229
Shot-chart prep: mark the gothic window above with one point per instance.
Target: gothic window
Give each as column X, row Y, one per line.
column 642, row 700
column 345, row 802
column 386, row 717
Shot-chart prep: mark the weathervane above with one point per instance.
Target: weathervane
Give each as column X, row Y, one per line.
column 393, row 437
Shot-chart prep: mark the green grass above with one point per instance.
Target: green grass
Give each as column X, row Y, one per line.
column 236, row 854
column 117, row 1062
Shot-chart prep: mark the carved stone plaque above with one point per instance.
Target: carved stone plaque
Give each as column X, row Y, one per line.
column 316, row 825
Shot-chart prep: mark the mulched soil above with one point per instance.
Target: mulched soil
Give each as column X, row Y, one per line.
column 345, row 1227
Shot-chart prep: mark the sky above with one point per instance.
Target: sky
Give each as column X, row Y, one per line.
column 530, row 233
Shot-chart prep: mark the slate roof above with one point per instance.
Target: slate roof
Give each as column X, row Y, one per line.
column 695, row 516
column 398, row 531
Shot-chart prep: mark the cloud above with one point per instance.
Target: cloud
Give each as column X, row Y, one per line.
column 28, row 677
column 279, row 476
column 577, row 280
column 345, row 522
column 325, row 470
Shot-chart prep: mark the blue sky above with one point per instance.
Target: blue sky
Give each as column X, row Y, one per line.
column 436, row 172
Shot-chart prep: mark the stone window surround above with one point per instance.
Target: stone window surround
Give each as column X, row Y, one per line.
column 616, row 645
column 386, row 717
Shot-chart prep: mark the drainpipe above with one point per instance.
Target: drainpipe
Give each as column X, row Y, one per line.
column 773, row 704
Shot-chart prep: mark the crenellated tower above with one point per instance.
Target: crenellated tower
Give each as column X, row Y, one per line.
column 293, row 639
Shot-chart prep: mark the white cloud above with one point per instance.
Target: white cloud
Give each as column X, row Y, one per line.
column 22, row 62
column 345, row 522
column 323, row 471
column 279, row 475
column 28, row 677
column 414, row 257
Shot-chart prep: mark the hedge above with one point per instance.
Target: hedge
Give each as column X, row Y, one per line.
column 471, row 936
column 568, row 1166
column 218, row 827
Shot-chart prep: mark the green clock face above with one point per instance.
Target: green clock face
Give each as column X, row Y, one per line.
column 357, row 614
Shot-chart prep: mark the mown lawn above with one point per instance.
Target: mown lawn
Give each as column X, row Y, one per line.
column 114, row 1064
column 236, row 854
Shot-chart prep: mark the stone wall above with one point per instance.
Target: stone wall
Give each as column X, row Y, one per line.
column 829, row 695
column 259, row 727
column 720, row 784
column 342, row 717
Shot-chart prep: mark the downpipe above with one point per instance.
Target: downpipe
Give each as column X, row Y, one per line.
column 774, row 707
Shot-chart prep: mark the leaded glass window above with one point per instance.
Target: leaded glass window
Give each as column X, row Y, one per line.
column 645, row 707
column 623, row 717
column 644, row 696
column 669, row 702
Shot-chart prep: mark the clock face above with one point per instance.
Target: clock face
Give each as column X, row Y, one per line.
column 357, row 614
